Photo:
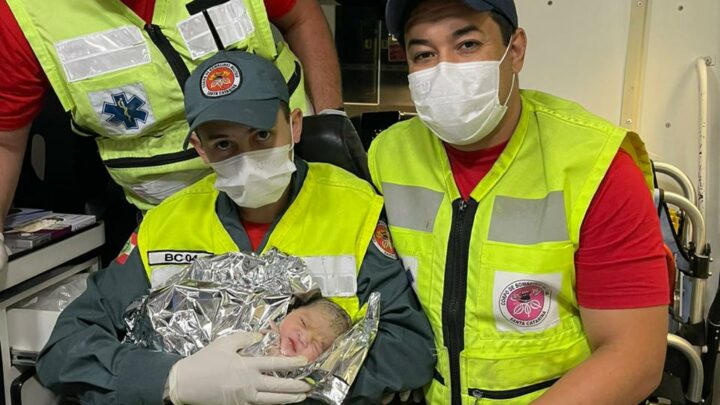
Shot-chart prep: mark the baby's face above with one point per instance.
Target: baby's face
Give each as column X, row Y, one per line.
column 306, row 331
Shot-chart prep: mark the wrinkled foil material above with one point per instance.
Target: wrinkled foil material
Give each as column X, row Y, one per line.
column 220, row 295
column 333, row 372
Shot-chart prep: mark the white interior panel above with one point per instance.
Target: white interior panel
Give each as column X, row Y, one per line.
column 576, row 50
column 680, row 33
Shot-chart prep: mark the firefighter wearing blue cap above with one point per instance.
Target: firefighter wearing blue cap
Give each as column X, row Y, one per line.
column 259, row 196
column 503, row 205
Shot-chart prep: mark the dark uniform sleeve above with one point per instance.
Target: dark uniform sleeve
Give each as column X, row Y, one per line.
column 85, row 355
column 402, row 356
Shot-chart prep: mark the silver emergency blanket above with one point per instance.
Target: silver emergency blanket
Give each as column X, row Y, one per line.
column 220, row 295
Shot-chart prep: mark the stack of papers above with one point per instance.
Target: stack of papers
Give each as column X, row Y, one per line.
column 29, row 228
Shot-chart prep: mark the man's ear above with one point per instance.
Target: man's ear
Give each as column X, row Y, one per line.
column 518, row 46
column 195, row 142
column 296, row 118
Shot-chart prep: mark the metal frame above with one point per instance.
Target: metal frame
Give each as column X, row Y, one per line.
column 699, row 241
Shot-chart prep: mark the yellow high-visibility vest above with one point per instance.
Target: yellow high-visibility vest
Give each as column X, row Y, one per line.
column 329, row 224
column 119, row 78
column 496, row 274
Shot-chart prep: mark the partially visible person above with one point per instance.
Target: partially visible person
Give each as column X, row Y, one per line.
column 260, row 196
column 526, row 222
column 118, row 69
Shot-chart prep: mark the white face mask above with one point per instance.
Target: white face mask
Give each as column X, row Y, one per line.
column 459, row 102
column 258, row 178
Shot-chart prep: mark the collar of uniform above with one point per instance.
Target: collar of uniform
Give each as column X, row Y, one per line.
column 508, row 155
column 227, row 210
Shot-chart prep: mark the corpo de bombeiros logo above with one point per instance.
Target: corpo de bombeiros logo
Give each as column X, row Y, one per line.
column 525, row 303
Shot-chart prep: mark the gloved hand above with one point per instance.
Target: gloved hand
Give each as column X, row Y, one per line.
column 4, row 253
column 405, row 397
column 217, row 374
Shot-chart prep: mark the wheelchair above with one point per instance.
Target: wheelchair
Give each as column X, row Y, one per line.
column 693, row 337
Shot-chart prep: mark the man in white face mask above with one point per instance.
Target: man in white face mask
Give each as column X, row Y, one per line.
column 261, row 196
column 526, row 221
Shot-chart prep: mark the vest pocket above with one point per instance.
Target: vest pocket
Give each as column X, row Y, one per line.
column 508, row 377
column 529, row 290
column 415, row 248
column 147, row 186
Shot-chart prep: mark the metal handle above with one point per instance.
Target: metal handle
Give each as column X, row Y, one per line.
column 17, row 385
column 688, row 188
column 697, row 375
column 697, row 302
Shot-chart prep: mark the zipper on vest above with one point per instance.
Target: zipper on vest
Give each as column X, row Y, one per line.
column 159, row 160
column 509, row 394
column 172, row 56
column 455, row 289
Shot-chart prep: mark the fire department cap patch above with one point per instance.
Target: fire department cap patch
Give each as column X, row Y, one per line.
column 382, row 240
column 220, row 79
column 127, row 249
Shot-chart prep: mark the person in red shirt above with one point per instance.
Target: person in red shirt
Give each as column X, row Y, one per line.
column 620, row 274
column 23, row 82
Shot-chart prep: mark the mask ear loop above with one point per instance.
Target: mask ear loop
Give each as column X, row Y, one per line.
column 512, row 86
column 292, row 142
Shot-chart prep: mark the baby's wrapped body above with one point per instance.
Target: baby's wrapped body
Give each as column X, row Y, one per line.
column 273, row 293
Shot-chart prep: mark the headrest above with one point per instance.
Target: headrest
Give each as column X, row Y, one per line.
column 332, row 138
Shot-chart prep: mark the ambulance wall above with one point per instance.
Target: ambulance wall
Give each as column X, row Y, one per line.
column 578, row 49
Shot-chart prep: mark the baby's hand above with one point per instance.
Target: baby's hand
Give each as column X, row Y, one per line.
column 273, row 328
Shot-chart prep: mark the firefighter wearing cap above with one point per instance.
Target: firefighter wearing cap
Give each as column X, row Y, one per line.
column 260, row 196
column 120, row 77
column 503, row 204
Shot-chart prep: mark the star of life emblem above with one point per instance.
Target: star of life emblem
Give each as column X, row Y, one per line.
column 122, row 110
column 125, row 110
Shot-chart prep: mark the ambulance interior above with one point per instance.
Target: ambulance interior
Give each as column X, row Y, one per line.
column 650, row 66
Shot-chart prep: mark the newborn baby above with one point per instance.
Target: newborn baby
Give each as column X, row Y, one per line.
column 311, row 329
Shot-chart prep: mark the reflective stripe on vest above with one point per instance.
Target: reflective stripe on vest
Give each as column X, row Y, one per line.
column 495, row 275
column 424, row 203
column 120, row 79
column 329, row 224
column 524, row 221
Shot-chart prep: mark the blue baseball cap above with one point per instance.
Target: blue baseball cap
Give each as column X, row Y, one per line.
column 235, row 86
column 397, row 12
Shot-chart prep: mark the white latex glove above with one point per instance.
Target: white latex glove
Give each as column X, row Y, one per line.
column 218, row 375
column 409, row 396
column 332, row 111
column 4, row 253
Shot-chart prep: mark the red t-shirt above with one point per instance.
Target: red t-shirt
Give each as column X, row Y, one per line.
column 22, row 80
column 255, row 231
column 620, row 262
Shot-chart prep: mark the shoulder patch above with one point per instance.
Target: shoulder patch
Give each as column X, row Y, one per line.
column 383, row 241
column 127, row 249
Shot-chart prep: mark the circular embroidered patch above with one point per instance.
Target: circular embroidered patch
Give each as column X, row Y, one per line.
column 382, row 240
column 220, row 79
column 525, row 303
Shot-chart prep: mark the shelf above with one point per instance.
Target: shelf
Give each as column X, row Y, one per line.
column 49, row 256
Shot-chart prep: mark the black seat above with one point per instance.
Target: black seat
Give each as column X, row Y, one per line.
column 332, row 138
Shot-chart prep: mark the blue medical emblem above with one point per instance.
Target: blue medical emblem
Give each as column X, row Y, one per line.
column 125, row 112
